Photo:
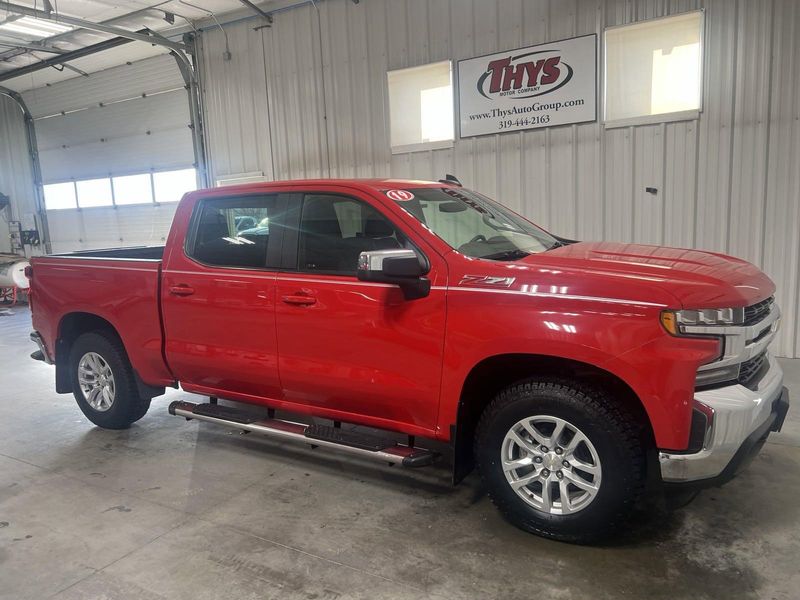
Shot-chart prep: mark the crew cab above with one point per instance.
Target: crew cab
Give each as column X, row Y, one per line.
column 570, row 373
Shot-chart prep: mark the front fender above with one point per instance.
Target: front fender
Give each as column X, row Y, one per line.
column 626, row 341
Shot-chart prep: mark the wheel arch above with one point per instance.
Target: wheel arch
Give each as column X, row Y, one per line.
column 494, row 373
column 71, row 326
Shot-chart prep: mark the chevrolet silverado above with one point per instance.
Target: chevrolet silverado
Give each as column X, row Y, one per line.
column 570, row 373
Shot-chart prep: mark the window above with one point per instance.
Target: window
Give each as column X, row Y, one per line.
column 421, row 107
column 233, row 232
column 475, row 225
column 133, row 189
column 59, row 195
column 654, row 68
column 335, row 230
column 170, row 186
column 94, row 192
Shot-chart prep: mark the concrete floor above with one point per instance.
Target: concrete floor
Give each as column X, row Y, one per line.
column 176, row 509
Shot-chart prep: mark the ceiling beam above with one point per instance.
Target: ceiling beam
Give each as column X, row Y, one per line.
column 258, row 10
column 36, row 47
column 67, row 35
column 64, row 58
column 91, row 26
column 235, row 16
column 10, row 19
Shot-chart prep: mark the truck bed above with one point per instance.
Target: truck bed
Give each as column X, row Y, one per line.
column 134, row 253
column 119, row 285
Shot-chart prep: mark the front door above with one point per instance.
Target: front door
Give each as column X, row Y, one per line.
column 218, row 298
column 354, row 347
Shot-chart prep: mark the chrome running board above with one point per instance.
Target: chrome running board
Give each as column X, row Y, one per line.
column 351, row 442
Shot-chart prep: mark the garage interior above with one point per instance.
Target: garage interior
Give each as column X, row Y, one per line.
column 111, row 111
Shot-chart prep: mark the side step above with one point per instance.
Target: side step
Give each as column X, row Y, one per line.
column 352, row 442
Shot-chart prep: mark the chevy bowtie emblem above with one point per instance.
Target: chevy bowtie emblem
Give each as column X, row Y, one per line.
column 486, row 280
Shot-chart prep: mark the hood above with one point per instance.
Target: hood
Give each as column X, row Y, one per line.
column 695, row 278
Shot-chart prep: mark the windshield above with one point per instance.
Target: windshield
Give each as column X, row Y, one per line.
column 473, row 224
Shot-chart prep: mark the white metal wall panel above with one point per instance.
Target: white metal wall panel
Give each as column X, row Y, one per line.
column 295, row 86
column 16, row 176
column 235, row 95
column 264, row 107
column 782, row 203
column 728, row 182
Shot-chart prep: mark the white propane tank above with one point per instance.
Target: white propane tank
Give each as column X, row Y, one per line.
column 13, row 275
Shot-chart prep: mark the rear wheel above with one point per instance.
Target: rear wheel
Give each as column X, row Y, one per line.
column 103, row 382
column 559, row 460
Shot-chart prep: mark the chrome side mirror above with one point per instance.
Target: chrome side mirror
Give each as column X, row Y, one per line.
column 400, row 267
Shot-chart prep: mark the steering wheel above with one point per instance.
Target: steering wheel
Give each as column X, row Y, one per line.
column 478, row 238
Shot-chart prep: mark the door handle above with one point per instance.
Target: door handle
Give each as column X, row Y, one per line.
column 181, row 290
column 299, row 300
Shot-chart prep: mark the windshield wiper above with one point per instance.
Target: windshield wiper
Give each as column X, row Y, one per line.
column 515, row 254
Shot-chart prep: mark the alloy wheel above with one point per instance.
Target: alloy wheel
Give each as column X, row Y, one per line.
column 96, row 381
column 551, row 464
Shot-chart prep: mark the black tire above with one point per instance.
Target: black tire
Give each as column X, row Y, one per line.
column 615, row 435
column 127, row 406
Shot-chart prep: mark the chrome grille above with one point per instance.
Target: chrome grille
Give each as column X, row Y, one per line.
column 750, row 370
column 755, row 312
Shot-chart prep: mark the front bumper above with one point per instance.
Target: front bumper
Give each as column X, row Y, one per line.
column 743, row 418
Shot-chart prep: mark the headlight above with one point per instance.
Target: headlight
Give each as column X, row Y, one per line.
column 681, row 322
column 702, row 322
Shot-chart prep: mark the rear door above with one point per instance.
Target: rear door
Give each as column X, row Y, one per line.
column 350, row 346
column 218, row 297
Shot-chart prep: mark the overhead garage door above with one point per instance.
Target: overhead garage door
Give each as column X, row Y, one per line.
column 96, row 132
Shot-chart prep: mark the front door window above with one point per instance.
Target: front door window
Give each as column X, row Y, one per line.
column 334, row 230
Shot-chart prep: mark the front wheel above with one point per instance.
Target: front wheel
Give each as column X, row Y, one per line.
column 103, row 382
column 559, row 460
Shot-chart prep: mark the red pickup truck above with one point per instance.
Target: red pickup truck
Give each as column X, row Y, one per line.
column 570, row 373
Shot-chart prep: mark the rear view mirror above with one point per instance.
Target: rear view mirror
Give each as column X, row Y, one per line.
column 452, row 207
column 401, row 267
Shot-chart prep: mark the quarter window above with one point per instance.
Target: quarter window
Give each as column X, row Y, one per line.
column 335, row 230
column 234, row 232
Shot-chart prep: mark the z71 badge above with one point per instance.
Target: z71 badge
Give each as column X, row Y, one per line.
column 485, row 280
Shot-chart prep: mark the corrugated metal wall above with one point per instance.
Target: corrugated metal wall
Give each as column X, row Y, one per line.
column 314, row 104
column 16, row 176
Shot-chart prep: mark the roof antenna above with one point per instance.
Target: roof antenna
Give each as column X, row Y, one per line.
column 451, row 179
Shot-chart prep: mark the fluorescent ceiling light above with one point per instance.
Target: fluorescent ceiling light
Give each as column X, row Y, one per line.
column 37, row 28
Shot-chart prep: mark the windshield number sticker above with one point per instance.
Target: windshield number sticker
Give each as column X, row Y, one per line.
column 400, row 195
